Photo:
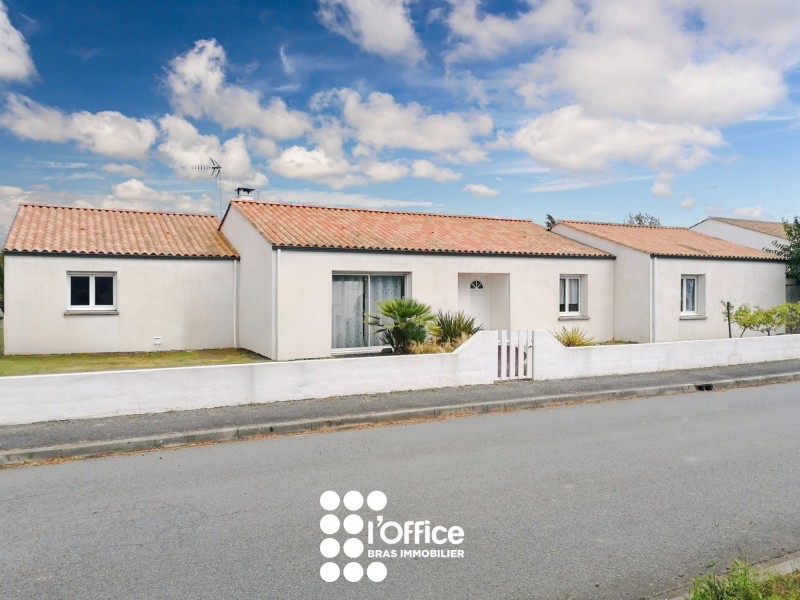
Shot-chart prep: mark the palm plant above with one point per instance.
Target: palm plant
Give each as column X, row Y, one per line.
column 453, row 327
column 400, row 322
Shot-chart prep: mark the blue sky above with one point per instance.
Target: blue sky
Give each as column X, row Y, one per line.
column 585, row 110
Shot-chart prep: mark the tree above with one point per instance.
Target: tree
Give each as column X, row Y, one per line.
column 641, row 218
column 549, row 221
column 790, row 249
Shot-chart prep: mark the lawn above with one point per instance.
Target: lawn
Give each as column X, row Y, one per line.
column 79, row 363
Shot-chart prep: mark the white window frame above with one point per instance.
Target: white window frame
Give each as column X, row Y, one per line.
column 699, row 295
column 370, row 310
column 91, row 307
column 581, row 296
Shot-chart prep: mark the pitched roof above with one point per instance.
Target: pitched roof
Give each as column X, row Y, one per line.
column 93, row 231
column 670, row 241
column 298, row 226
column 773, row 228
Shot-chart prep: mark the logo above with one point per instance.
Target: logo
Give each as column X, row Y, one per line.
column 345, row 558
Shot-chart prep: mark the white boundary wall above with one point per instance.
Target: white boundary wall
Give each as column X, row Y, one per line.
column 35, row 398
column 551, row 360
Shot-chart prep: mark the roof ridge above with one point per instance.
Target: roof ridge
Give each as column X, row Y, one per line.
column 118, row 210
column 377, row 210
column 744, row 220
column 624, row 224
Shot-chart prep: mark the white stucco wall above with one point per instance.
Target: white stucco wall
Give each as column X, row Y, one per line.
column 37, row 398
column 632, row 306
column 757, row 283
column 647, row 291
column 551, row 360
column 736, row 234
column 188, row 303
column 305, row 291
column 255, row 297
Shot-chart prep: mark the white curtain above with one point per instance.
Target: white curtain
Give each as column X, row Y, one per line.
column 383, row 287
column 349, row 299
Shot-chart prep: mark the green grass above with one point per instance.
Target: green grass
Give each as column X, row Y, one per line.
column 746, row 583
column 81, row 363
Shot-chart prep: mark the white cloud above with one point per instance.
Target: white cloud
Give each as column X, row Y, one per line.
column 183, row 147
column 122, row 169
column 108, row 132
column 480, row 190
column 15, row 55
column 582, row 183
column 425, row 169
column 482, row 35
column 662, row 186
column 324, row 198
column 569, row 139
column 697, row 61
column 749, row 212
column 380, row 27
column 135, row 194
column 688, row 203
column 198, row 88
column 380, row 122
column 385, row 171
column 297, row 162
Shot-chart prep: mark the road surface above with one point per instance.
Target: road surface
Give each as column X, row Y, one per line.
column 613, row 500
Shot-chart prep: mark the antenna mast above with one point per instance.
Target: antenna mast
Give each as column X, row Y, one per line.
column 215, row 168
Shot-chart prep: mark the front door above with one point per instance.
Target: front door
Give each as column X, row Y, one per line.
column 479, row 302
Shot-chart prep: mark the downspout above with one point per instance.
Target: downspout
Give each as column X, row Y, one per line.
column 276, row 277
column 235, row 303
column 653, row 271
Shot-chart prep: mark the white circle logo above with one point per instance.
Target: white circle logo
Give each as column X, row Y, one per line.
column 329, row 572
column 353, row 500
column 353, row 572
column 329, row 524
column 376, row 500
column 353, row 524
column 353, row 548
column 329, row 548
column 376, row 572
column 329, row 501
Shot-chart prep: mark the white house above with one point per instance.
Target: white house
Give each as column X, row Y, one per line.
column 756, row 234
column 291, row 281
column 89, row 280
column 309, row 274
column 669, row 282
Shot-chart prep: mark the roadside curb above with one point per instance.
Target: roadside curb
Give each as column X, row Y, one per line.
column 16, row 457
column 781, row 565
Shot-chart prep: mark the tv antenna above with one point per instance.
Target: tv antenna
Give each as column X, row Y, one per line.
column 215, row 169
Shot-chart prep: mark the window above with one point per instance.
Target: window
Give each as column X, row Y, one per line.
column 92, row 291
column 691, row 294
column 570, row 295
column 356, row 296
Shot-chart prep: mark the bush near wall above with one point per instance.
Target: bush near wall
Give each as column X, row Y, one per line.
column 764, row 320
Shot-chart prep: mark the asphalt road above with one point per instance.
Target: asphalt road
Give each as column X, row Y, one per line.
column 614, row 500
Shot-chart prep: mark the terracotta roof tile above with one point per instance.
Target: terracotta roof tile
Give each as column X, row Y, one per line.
column 669, row 241
column 93, row 231
column 773, row 228
column 299, row 226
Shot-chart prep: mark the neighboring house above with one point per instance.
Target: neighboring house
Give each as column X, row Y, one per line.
column 669, row 282
column 756, row 234
column 89, row 280
column 309, row 274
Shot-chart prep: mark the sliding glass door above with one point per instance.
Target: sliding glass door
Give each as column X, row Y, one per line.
column 356, row 296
